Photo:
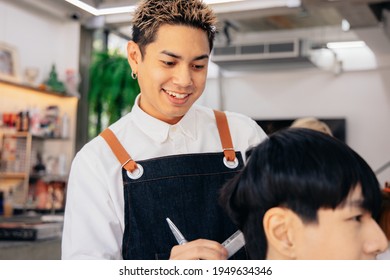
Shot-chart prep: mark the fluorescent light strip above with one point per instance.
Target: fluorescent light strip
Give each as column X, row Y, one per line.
column 83, row 6
column 116, row 10
column 211, row 2
column 128, row 9
column 99, row 12
column 264, row 3
column 344, row 45
column 123, row 9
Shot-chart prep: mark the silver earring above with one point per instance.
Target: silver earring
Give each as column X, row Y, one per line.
column 134, row 75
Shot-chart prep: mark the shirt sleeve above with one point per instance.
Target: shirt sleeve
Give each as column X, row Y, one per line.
column 246, row 133
column 260, row 135
column 92, row 229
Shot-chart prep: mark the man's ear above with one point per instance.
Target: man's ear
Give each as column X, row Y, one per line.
column 278, row 231
column 134, row 56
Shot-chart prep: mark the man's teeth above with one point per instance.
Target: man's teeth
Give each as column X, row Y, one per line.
column 177, row 95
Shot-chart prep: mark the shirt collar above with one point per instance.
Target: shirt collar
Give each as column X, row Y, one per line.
column 159, row 130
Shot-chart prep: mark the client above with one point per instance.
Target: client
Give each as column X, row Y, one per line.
column 305, row 195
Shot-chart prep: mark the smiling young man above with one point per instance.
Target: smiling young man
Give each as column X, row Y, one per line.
column 172, row 71
column 167, row 158
column 306, row 195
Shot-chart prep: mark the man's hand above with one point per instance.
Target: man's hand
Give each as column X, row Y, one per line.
column 200, row 249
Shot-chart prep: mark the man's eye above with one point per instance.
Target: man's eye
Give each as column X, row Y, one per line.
column 198, row 67
column 358, row 218
column 168, row 63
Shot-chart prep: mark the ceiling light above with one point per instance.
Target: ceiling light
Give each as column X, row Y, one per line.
column 128, row 9
column 342, row 45
column 210, row 2
column 123, row 9
column 100, row 12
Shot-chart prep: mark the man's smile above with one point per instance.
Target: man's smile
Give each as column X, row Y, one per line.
column 176, row 94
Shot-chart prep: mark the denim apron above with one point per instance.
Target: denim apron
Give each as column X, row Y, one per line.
column 183, row 188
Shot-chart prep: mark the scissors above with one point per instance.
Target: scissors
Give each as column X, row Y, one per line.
column 232, row 244
column 176, row 232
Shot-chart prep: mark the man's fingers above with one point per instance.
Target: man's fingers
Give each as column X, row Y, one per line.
column 199, row 249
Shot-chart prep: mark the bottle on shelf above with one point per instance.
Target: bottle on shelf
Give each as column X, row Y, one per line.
column 35, row 121
column 18, row 121
column 65, row 126
column 26, row 121
column 8, row 205
column 1, row 203
column 22, row 121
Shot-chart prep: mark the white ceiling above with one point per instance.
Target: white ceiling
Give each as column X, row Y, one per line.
column 247, row 15
column 313, row 18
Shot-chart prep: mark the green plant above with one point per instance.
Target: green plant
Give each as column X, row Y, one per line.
column 112, row 91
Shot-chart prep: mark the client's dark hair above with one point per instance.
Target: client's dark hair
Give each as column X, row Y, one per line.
column 300, row 169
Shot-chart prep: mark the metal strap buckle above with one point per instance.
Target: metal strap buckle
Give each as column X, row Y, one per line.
column 230, row 164
column 137, row 173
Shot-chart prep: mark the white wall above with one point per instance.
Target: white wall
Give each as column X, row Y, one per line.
column 360, row 94
column 361, row 97
column 40, row 39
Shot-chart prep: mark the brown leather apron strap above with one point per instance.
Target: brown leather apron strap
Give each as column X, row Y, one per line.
column 130, row 165
column 124, row 158
column 224, row 135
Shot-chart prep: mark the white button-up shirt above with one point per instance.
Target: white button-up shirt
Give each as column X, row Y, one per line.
column 94, row 215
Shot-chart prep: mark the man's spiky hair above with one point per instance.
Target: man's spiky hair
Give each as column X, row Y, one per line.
column 151, row 14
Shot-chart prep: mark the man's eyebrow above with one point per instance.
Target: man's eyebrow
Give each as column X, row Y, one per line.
column 355, row 203
column 200, row 57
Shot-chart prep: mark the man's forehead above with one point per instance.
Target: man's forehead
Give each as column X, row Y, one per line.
column 355, row 198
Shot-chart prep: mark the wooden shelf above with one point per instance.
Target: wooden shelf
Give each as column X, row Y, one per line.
column 16, row 134
column 23, row 134
column 16, row 175
column 49, row 177
column 56, row 152
column 45, row 138
column 44, row 177
column 22, row 86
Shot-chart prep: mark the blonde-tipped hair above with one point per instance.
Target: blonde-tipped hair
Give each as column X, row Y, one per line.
column 151, row 14
column 312, row 123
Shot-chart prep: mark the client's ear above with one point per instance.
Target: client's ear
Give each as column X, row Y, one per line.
column 278, row 231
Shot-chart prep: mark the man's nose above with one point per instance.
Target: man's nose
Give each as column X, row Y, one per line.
column 376, row 239
column 183, row 76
